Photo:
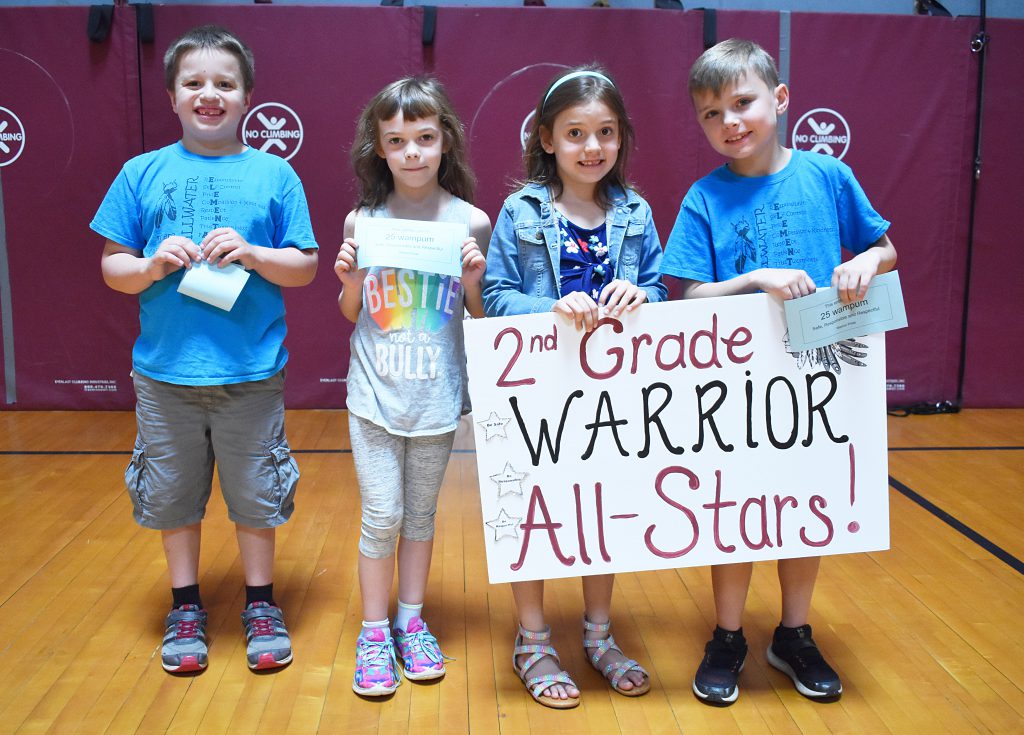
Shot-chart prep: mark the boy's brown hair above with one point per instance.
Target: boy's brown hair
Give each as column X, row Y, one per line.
column 210, row 37
column 726, row 62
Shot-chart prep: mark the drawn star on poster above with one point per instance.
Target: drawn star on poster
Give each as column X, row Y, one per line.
column 494, row 426
column 505, row 525
column 509, row 481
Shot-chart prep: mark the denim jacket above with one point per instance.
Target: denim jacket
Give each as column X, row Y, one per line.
column 522, row 275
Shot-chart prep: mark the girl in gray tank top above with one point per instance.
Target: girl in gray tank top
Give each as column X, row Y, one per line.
column 407, row 372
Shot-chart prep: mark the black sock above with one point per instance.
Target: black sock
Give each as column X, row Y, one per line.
column 259, row 593
column 786, row 632
column 186, row 595
column 732, row 638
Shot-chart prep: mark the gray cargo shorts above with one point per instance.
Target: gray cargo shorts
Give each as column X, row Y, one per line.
column 184, row 429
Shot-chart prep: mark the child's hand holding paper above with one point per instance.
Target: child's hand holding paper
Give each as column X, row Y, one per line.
column 215, row 285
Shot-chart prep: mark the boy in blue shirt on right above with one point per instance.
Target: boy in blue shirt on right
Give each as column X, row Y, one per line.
column 773, row 220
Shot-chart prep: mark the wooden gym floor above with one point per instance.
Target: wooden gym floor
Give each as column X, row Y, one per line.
column 927, row 636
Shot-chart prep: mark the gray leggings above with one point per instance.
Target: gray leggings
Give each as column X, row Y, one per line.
column 399, row 481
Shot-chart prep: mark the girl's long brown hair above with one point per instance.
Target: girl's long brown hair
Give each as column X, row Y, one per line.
column 416, row 98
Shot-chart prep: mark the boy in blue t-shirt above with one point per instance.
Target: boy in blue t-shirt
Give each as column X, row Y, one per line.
column 773, row 220
column 209, row 382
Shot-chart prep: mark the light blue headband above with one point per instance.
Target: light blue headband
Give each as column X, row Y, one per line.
column 574, row 75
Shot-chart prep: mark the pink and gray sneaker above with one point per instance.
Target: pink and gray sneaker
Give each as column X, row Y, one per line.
column 376, row 666
column 419, row 651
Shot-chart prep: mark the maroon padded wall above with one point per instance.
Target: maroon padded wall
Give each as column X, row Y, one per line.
column 78, row 104
column 905, row 86
column 995, row 337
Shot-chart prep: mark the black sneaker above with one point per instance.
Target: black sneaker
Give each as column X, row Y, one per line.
column 717, row 679
column 794, row 653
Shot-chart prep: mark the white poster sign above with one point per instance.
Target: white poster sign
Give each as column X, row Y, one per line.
column 681, row 434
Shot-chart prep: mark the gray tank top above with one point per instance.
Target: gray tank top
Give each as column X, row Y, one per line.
column 407, row 371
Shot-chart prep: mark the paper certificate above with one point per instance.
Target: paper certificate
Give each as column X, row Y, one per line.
column 434, row 247
column 214, row 285
column 822, row 319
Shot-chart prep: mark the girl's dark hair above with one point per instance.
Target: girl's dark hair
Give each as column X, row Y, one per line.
column 540, row 165
column 416, row 98
column 214, row 38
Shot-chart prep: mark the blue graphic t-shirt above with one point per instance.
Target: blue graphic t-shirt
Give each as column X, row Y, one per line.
column 799, row 217
column 584, row 263
column 407, row 371
column 171, row 191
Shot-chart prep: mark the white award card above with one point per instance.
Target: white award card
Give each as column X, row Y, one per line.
column 822, row 319
column 433, row 247
column 213, row 284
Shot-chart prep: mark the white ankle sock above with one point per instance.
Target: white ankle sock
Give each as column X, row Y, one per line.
column 384, row 624
column 405, row 614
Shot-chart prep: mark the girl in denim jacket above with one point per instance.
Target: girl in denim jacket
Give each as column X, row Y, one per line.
column 576, row 240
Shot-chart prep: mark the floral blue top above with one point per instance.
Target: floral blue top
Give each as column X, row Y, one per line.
column 524, row 257
column 584, row 261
